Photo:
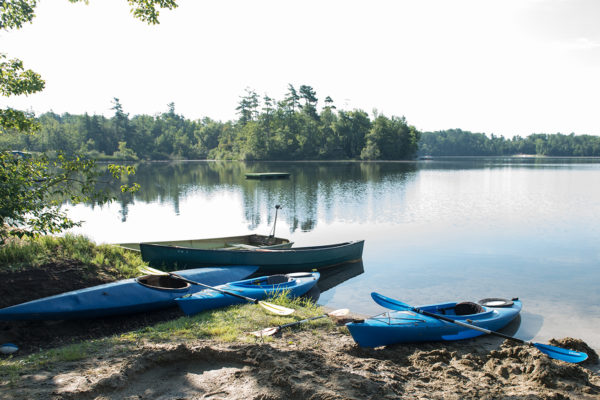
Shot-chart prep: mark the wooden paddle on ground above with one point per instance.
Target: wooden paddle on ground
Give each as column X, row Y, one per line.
column 274, row 308
column 274, row 329
column 558, row 353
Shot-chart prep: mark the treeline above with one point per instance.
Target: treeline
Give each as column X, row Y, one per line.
column 455, row 142
column 292, row 128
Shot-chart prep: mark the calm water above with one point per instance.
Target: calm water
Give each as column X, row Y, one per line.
column 440, row 230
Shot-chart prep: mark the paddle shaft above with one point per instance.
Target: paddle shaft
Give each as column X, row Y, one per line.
column 255, row 301
column 280, row 327
column 465, row 325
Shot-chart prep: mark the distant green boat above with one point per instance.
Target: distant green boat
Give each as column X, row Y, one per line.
column 269, row 261
column 268, row 175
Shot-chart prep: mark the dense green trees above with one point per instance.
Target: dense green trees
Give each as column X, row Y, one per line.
column 293, row 128
column 455, row 142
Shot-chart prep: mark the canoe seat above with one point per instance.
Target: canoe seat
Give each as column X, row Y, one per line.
column 468, row 308
column 234, row 246
column 277, row 279
column 162, row 282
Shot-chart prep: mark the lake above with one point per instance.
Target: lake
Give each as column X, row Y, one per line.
column 435, row 230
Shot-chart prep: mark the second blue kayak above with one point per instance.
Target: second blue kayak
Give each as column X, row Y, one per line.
column 294, row 285
column 408, row 326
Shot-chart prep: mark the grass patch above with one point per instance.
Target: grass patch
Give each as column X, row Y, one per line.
column 21, row 254
column 231, row 323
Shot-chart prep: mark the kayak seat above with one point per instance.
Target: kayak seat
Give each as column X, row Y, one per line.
column 162, row 282
column 467, row 308
column 277, row 279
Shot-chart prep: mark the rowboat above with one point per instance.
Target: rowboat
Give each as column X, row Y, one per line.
column 408, row 326
column 144, row 293
column 293, row 285
column 269, row 260
column 225, row 243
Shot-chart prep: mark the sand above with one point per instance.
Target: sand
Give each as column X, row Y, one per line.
column 312, row 364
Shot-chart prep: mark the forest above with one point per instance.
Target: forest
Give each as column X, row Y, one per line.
column 455, row 142
column 293, row 128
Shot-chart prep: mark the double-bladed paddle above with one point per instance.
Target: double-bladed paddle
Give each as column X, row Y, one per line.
column 274, row 308
column 274, row 329
column 558, row 353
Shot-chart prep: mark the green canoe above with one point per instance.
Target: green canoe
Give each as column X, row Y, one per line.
column 269, row 261
column 225, row 243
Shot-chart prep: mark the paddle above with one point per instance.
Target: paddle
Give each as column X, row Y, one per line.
column 274, row 329
column 274, row 308
column 272, row 235
column 558, row 353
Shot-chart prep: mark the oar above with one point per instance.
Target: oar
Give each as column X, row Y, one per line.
column 274, row 329
column 274, row 308
column 558, row 353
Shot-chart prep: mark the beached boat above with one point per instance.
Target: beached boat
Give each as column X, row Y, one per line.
column 293, row 285
column 144, row 293
column 408, row 326
column 224, row 243
column 269, row 260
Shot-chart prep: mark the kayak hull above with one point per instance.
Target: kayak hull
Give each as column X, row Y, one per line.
column 409, row 327
column 257, row 288
column 123, row 297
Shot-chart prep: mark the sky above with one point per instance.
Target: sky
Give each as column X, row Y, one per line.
column 506, row 67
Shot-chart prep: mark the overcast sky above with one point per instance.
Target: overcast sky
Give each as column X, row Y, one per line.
column 505, row 67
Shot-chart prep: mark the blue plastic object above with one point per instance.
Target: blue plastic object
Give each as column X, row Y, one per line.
column 295, row 284
column 144, row 293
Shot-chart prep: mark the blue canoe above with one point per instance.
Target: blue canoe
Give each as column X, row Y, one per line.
column 269, row 260
column 408, row 326
column 293, row 285
column 145, row 293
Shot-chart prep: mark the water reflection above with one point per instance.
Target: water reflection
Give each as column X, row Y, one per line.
column 314, row 191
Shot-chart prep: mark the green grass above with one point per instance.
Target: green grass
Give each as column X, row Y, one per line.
column 227, row 325
column 46, row 249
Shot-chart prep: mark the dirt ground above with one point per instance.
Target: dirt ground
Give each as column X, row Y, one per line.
column 303, row 364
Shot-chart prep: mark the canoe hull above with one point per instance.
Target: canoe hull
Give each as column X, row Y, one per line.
column 263, row 241
column 408, row 327
column 122, row 297
column 269, row 261
column 256, row 288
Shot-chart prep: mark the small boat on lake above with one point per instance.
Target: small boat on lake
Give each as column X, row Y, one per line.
column 224, row 243
column 144, row 293
column 267, row 175
column 269, row 260
column 408, row 326
column 293, row 285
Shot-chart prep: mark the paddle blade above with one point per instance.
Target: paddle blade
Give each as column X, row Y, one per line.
column 275, row 309
column 558, row 353
column 342, row 312
column 151, row 271
column 264, row 332
column 390, row 303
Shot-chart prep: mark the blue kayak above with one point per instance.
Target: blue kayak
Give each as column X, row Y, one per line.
column 145, row 293
column 294, row 284
column 408, row 326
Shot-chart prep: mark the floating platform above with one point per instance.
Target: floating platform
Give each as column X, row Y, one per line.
column 268, row 175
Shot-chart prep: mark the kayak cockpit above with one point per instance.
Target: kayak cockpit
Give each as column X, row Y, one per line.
column 166, row 282
column 281, row 280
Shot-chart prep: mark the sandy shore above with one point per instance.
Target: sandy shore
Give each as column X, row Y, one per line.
column 313, row 364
